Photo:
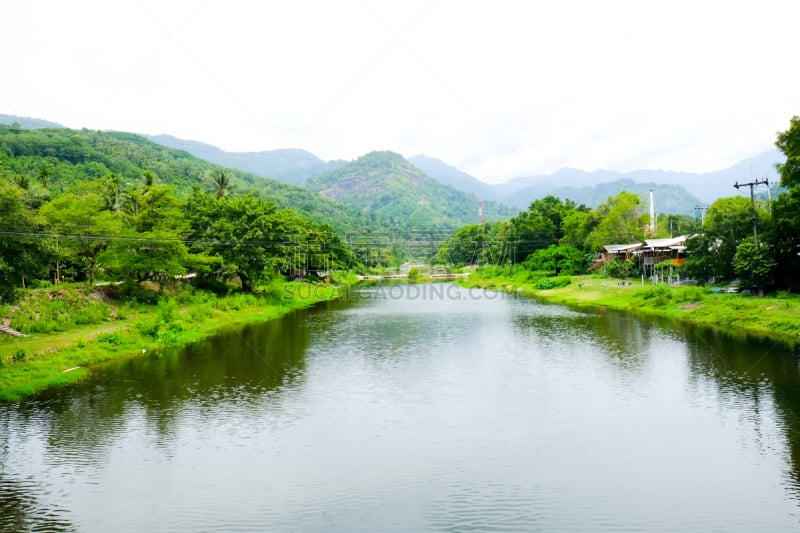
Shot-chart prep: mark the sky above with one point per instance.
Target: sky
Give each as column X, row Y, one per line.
column 498, row 89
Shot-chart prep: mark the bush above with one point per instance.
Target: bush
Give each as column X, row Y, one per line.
column 19, row 355
column 201, row 312
column 113, row 339
column 149, row 327
column 166, row 310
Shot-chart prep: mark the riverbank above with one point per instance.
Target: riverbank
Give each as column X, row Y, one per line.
column 776, row 316
column 70, row 330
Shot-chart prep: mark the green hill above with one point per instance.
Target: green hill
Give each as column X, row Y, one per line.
column 55, row 160
column 384, row 185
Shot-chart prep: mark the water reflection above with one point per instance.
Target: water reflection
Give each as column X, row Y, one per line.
column 79, row 427
column 758, row 373
column 400, row 413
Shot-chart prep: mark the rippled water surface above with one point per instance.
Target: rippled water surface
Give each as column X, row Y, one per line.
column 423, row 408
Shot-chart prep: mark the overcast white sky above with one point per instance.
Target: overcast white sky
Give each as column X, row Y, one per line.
column 497, row 89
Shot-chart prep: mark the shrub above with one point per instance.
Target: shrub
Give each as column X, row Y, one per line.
column 545, row 284
column 19, row 355
column 166, row 310
column 201, row 312
column 113, row 339
column 149, row 327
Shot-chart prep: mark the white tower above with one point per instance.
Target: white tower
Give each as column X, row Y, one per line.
column 652, row 213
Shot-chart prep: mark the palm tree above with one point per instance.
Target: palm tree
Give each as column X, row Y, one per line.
column 222, row 182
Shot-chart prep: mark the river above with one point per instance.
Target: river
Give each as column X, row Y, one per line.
column 418, row 408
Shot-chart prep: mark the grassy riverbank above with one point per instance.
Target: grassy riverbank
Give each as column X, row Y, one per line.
column 71, row 329
column 775, row 316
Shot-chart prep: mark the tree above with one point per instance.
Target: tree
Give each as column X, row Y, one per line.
column 784, row 236
column 558, row 259
column 466, row 245
column 112, row 193
column 241, row 231
column 23, row 254
column 221, row 179
column 541, row 225
column 728, row 223
column 621, row 219
column 141, row 256
column 754, row 265
column 789, row 143
column 86, row 229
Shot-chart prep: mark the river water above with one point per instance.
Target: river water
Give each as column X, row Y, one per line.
column 419, row 408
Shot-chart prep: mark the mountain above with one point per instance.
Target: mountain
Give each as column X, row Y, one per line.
column 705, row 186
column 450, row 175
column 671, row 199
column 27, row 123
column 70, row 157
column 291, row 165
column 384, row 184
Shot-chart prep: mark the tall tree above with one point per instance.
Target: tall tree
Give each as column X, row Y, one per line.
column 789, row 143
column 621, row 219
column 24, row 255
column 785, row 232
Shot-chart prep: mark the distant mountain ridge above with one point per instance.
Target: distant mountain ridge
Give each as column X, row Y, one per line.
column 291, row 165
column 519, row 192
column 28, row 123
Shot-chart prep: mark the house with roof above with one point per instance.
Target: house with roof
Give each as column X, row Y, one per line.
column 648, row 253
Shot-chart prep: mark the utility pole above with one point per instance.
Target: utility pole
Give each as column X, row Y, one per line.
column 702, row 209
column 753, row 185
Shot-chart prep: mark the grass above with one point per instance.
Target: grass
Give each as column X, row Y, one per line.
column 64, row 353
column 775, row 316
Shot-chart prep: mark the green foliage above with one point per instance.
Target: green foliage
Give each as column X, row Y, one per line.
column 622, row 269
column 789, row 143
column 544, row 284
column 658, row 295
column 620, row 220
column 558, row 259
column 414, row 274
column 753, row 265
column 19, row 355
column 22, row 255
column 112, row 339
column 711, row 254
